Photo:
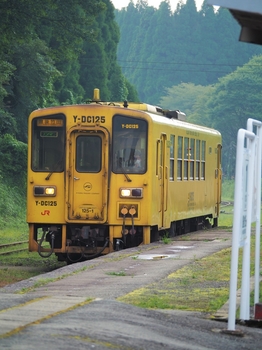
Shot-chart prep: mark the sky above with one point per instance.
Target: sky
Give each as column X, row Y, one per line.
column 123, row 3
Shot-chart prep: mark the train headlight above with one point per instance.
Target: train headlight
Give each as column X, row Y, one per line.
column 125, row 192
column 131, row 192
column 50, row 191
column 45, row 191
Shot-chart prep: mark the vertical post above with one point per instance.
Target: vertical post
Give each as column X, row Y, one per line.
column 248, row 192
column 111, row 239
column 146, row 234
column 240, row 215
column 257, row 198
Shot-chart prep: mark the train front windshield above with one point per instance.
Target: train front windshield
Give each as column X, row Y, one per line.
column 129, row 145
column 48, row 143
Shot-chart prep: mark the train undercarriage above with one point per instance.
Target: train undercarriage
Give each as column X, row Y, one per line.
column 73, row 242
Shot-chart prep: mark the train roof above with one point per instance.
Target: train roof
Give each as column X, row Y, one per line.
column 138, row 106
column 157, row 114
column 186, row 125
column 176, row 114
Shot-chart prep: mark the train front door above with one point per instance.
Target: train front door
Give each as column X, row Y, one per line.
column 162, row 180
column 88, row 176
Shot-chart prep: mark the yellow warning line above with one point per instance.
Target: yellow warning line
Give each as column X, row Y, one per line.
column 40, row 320
column 23, row 304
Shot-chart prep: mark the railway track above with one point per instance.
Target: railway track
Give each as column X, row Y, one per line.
column 10, row 248
column 226, row 204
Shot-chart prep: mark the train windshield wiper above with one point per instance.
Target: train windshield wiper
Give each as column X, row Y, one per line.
column 56, row 168
column 126, row 176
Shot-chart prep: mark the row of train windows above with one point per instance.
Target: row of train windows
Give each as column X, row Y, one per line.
column 190, row 158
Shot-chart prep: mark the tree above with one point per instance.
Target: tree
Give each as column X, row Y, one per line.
column 13, row 154
column 98, row 63
column 189, row 98
column 159, row 49
column 32, row 82
column 36, row 37
column 236, row 97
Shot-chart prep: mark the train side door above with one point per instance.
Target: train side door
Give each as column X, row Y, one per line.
column 162, row 173
column 88, row 176
column 218, row 178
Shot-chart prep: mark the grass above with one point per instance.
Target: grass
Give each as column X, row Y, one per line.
column 200, row 286
column 14, row 233
column 9, row 275
column 120, row 273
column 24, row 264
column 226, row 216
column 165, row 238
column 24, row 258
column 12, row 210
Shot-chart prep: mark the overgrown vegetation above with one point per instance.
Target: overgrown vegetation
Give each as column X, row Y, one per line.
column 199, row 286
column 12, row 213
column 13, row 156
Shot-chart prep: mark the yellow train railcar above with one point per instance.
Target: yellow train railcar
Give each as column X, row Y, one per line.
column 106, row 176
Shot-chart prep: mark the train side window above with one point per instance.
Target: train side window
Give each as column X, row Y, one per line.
column 172, row 157
column 197, row 159
column 179, row 157
column 186, row 157
column 192, row 158
column 203, row 160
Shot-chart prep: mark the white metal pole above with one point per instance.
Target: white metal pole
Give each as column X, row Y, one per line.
column 257, row 193
column 235, row 234
column 249, row 185
column 237, row 225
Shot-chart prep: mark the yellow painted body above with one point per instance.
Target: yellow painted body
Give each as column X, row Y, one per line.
column 86, row 201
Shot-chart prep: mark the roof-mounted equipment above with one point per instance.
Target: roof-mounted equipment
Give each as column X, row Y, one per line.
column 96, row 97
column 175, row 114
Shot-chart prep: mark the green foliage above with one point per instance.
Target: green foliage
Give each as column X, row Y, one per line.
column 7, row 123
column 236, row 97
column 189, row 98
column 159, row 49
column 12, row 209
column 13, row 161
column 13, row 156
column 32, row 82
column 228, row 188
column 132, row 93
column 165, row 238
